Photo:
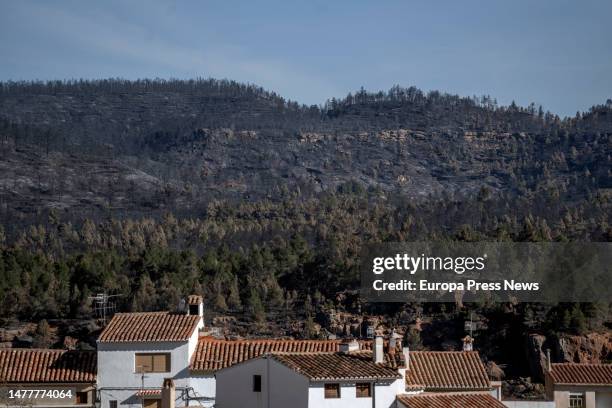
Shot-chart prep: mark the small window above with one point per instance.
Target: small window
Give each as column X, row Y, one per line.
column 81, row 397
column 332, row 390
column 194, row 310
column 576, row 401
column 364, row 390
column 257, row 383
column 112, row 404
column 152, row 362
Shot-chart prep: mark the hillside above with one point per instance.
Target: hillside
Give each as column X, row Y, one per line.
column 152, row 146
column 156, row 189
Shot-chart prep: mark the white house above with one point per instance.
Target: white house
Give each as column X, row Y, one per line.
column 214, row 354
column 137, row 351
column 349, row 378
column 579, row 385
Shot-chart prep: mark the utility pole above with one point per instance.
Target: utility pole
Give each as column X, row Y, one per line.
column 142, row 379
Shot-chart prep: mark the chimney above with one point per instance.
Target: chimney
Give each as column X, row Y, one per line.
column 393, row 342
column 548, row 361
column 406, row 353
column 349, row 345
column 378, row 352
column 468, row 343
column 168, row 394
column 195, row 306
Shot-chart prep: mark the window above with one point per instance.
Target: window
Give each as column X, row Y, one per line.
column 112, row 404
column 152, row 362
column 194, row 310
column 332, row 390
column 364, row 390
column 257, row 383
column 576, row 401
column 81, row 397
column 152, row 403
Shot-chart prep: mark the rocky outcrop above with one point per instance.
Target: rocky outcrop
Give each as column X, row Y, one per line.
column 590, row 348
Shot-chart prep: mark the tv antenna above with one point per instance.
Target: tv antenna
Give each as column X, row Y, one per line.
column 103, row 305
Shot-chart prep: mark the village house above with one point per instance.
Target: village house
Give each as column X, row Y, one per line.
column 339, row 378
column 572, row 385
column 138, row 351
column 49, row 378
column 347, row 378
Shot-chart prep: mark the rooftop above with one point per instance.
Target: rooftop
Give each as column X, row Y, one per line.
column 149, row 327
column 214, row 354
column 581, row 374
column 335, row 366
column 47, row 366
column 447, row 370
column 429, row 370
column 449, row 400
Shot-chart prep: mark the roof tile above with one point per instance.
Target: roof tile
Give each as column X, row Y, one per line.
column 449, row 401
column 47, row 366
column 148, row 327
column 581, row 374
column 335, row 366
column 447, row 370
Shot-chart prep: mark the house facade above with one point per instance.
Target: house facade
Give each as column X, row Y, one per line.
column 308, row 380
column 572, row 385
column 214, row 354
column 138, row 351
column 49, row 378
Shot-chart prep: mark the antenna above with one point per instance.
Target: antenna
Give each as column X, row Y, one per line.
column 103, row 306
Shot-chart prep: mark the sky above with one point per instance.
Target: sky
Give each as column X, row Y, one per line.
column 556, row 53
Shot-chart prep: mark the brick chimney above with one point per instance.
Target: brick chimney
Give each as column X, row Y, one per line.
column 168, row 394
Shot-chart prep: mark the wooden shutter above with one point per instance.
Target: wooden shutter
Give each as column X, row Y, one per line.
column 363, row 390
column 144, row 362
column 332, row 390
column 161, row 363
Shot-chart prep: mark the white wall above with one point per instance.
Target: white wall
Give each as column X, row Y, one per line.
column 117, row 376
column 235, row 389
column 603, row 399
column 204, row 385
column 287, row 388
column 281, row 387
column 529, row 404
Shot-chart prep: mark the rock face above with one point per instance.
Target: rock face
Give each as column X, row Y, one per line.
column 591, row 348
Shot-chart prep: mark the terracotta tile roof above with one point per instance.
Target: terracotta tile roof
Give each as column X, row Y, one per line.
column 47, row 366
column 581, row 374
column 149, row 326
column 447, row 370
column 149, row 393
column 214, row 354
column 335, row 366
column 393, row 360
column 449, row 401
column 194, row 299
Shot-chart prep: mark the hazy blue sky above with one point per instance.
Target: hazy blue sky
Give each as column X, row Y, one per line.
column 556, row 53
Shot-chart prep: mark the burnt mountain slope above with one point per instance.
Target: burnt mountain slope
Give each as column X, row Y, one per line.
column 142, row 147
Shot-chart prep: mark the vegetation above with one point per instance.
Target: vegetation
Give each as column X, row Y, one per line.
column 157, row 189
